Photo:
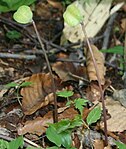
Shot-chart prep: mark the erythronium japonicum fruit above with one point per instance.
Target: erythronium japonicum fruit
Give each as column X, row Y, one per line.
column 23, row 15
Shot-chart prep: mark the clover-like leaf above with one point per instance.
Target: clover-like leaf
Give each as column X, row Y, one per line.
column 23, row 15
column 72, row 15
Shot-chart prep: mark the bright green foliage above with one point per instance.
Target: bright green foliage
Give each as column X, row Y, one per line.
column 62, row 132
column 80, row 103
column 23, row 15
column 120, row 145
column 54, row 147
column 30, row 147
column 14, row 84
column 4, row 144
column 65, row 94
column 14, row 144
column 11, row 5
column 114, row 50
column 94, row 115
column 13, row 34
column 72, row 15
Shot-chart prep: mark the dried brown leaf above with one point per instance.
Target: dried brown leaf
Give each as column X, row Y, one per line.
column 39, row 125
column 39, row 94
column 98, row 144
column 100, row 64
column 123, row 25
column 56, row 4
column 67, row 70
column 117, row 122
column 62, row 69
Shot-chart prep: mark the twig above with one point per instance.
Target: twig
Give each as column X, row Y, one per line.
column 17, row 56
column 108, row 31
column 49, row 67
column 99, row 83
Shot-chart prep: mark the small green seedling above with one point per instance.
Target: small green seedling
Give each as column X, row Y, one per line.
column 13, row 35
column 17, row 86
column 23, row 15
column 79, row 103
column 72, row 15
column 14, row 144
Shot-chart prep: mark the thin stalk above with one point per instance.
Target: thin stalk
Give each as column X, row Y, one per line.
column 49, row 67
column 99, row 83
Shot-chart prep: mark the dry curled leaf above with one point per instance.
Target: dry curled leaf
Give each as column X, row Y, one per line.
column 67, row 71
column 100, row 64
column 117, row 122
column 39, row 94
column 39, row 125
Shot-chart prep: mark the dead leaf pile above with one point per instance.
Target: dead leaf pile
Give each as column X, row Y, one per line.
column 39, row 94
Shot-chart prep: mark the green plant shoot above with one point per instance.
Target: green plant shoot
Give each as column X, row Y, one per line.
column 72, row 15
column 23, row 15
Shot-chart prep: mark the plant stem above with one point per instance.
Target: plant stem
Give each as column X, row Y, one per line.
column 49, row 67
column 99, row 83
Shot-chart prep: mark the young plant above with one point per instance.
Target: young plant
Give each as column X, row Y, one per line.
column 14, row 144
column 17, row 86
column 24, row 15
column 62, row 132
column 79, row 103
column 73, row 17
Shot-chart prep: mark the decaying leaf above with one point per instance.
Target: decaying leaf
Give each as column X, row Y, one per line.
column 123, row 24
column 67, row 71
column 63, row 69
column 37, row 95
column 56, row 4
column 117, row 122
column 120, row 95
column 39, row 125
column 95, row 15
column 100, row 64
column 98, row 144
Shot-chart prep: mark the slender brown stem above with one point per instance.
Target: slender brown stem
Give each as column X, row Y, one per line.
column 49, row 67
column 99, row 83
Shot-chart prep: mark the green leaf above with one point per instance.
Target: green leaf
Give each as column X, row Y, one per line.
column 66, row 139
column 23, row 15
column 69, row 103
column 4, row 144
column 94, row 115
column 80, row 103
column 65, row 93
column 53, row 136
column 12, row 84
column 114, row 50
column 16, row 143
column 13, row 34
column 25, row 84
column 11, row 5
column 72, row 15
column 54, row 147
column 61, row 125
column 76, row 122
column 120, row 145
column 30, row 147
